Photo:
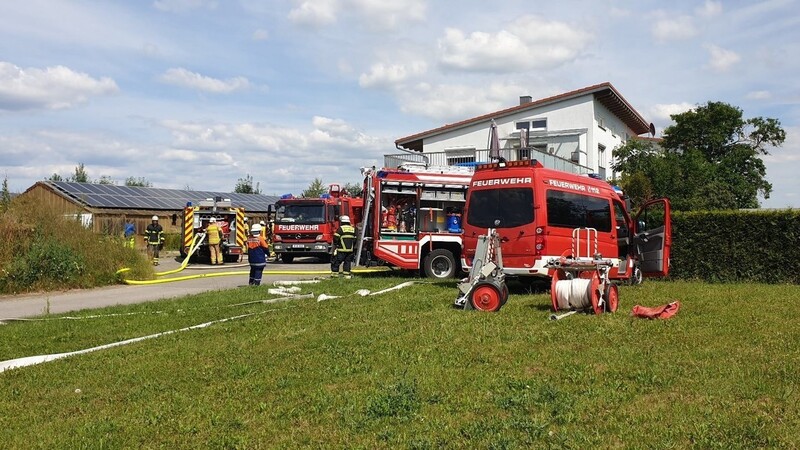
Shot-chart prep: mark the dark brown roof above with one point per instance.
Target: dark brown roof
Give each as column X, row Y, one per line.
column 605, row 93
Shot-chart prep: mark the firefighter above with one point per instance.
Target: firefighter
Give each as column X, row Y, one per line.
column 214, row 235
column 257, row 250
column 344, row 240
column 246, row 226
column 154, row 238
column 130, row 234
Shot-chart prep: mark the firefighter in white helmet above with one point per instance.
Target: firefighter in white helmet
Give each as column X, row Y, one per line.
column 344, row 240
column 257, row 252
column 214, row 233
column 154, row 238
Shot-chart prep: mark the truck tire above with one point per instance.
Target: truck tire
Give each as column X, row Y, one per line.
column 439, row 264
column 287, row 258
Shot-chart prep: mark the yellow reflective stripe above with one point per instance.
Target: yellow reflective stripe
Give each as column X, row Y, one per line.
column 188, row 227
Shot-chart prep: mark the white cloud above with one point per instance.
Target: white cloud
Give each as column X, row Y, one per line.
column 382, row 14
column 619, row 13
column 383, row 75
column 260, row 35
column 314, row 13
column 709, row 9
column 183, row 5
column 758, row 95
column 662, row 112
column 721, row 59
column 185, row 78
column 55, row 87
column 378, row 15
column 530, row 42
column 674, row 28
column 457, row 101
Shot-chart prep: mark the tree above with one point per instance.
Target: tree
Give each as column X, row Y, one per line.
column 709, row 159
column 105, row 179
column 353, row 189
column 137, row 182
column 80, row 175
column 245, row 186
column 54, row 177
column 315, row 189
column 5, row 195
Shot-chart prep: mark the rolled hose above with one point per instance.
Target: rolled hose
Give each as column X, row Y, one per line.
column 197, row 239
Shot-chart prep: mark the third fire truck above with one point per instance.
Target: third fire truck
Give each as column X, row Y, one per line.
column 305, row 226
column 413, row 218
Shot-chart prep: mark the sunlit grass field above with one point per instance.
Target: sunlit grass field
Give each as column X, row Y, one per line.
column 405, row 370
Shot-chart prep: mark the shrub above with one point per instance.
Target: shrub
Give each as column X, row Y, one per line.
column 44, row 249
column 728, row 246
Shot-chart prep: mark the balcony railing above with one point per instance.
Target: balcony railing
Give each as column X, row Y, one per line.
column 466, row 158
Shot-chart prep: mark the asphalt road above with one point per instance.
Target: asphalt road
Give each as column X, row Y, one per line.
column 30, row 305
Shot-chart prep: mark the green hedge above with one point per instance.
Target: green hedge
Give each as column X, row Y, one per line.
column 735, row 246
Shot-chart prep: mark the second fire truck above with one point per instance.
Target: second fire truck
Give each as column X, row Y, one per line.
column 305, row 226
column 413, row 218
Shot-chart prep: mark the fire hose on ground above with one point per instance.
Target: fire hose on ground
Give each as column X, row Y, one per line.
column 196, row 244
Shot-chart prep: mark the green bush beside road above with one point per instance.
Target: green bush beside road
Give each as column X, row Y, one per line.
column 43, row 250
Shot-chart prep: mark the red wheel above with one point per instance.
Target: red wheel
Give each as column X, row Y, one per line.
column 594, row 294
column 486, row 297
column 612, row 298
column 557, row 275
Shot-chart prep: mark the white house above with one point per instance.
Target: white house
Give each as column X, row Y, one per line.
column 575, row 131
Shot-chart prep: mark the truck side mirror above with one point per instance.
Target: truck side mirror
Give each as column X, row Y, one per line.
column 641, row 226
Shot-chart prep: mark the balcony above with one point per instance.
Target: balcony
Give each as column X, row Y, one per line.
column 470, row 158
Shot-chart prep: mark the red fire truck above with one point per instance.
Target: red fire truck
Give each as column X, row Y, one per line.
column 305, row 226
column 413, row 218
column 537, row 210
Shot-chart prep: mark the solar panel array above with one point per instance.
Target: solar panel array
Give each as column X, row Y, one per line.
column 130, row 197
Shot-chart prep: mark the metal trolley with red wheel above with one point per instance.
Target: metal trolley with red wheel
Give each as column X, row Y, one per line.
column 581, row 283
column 485, row 288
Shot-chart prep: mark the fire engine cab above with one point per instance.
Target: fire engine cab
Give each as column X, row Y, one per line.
column 305, row 226
column 229, row 218
column 537, row 210
column 413, row 218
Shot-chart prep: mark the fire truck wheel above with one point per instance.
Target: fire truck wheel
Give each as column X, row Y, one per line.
column 486, row 297
column 637, row 276
column 440, row 264
column 287, row 258
column 504, row 299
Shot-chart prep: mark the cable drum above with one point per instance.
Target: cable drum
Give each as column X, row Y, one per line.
column 574, row 294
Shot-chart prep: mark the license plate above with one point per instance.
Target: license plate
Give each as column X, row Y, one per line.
column 298, row 246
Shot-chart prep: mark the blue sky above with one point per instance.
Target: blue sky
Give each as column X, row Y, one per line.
column 200, row 93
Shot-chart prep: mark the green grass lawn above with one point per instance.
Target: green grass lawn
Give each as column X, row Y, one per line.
column 405, row 370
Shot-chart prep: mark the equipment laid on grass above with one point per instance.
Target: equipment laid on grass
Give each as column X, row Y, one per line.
column 657, row 312
column 485, row 289
column 580, row 281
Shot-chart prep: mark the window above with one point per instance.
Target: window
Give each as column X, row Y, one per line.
column 601, row 161
column 454, row 160
column 533, row 125
column 512, row 207
column 307, row 212
column 601, row 123
column 568, row 210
